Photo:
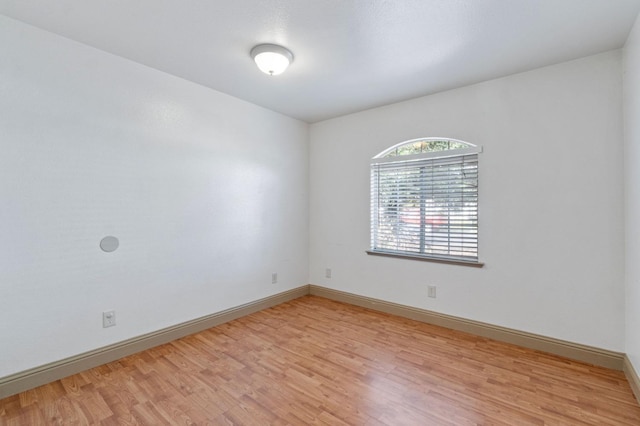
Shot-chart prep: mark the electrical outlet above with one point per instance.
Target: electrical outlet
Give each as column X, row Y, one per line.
column 108, row 319
column 431, row 291
column 274, row 278
column 327, row 272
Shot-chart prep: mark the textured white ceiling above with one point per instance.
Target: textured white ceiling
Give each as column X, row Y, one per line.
column 350, row 55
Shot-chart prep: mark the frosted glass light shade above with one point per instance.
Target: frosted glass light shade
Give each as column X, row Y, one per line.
column 271, row 58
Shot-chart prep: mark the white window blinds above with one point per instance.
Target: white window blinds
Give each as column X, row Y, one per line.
column 426, row 206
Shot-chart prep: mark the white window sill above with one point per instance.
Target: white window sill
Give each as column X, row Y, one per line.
column 427, row 259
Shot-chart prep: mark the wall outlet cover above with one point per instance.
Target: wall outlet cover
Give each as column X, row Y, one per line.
column 108, row 319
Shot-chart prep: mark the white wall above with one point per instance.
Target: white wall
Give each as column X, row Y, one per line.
column 207, row 194
column 551, row 197
column 632, row 192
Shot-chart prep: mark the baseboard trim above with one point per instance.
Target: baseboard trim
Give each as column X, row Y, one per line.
column 632, row 377
column 28, row 379
column 589, row 354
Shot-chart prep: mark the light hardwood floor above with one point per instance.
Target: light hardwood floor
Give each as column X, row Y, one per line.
column 316, row 361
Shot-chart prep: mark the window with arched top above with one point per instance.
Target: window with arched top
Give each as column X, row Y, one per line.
column 424, row 200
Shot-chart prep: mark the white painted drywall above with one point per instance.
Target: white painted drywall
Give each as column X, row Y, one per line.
column 207, row 194
column 551, row 202
column 632, row 192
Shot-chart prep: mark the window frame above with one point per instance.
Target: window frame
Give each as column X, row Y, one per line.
column 416, row 163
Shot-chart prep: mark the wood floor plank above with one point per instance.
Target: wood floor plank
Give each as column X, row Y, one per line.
column 316, row 361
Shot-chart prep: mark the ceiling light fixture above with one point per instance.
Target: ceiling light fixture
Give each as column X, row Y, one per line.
column 271, row 58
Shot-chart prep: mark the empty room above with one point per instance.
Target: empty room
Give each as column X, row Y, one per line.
column 340, row 212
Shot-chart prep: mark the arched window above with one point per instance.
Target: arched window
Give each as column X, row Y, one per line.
column 424, row 200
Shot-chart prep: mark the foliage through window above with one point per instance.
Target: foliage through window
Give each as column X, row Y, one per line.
column 424, row 200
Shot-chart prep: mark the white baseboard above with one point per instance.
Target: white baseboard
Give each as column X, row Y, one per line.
column 28, row 379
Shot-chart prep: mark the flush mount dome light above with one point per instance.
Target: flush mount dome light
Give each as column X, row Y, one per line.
column 271, row 58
